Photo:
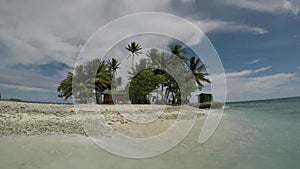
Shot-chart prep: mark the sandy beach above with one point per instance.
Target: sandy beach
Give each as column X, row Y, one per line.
column 17, row 118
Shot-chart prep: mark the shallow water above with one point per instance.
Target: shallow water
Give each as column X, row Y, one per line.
column 260, row 135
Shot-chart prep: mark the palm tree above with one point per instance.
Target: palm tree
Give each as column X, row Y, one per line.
column 117, row 82
column 83, row 84
column 98, row 75
column 103, row 77
column 89, row 79
column 197, row 69
column 160, row 60
column 179, row 51
column 65, row 87
column 120, row 81
column 113, row 65
column 143, row 65
column 134, row 49
column 102, row 80
column 76, row 84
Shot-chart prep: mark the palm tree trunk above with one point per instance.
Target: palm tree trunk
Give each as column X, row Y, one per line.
column 167, row 96
column 97, row 97
column 132, row 64
column 162, row 92
column 173, row 98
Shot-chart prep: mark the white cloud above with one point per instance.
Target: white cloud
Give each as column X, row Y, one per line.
column 29, row 79
column 267, row 84
column 24, row 88
column 262, row 69
column 37, row 33
column 188, row 1
column 293, row 8
column 261, row 87
column 246, row 72
column 254, row 5
column 239, row 74
column 256, row 30
column 225, row 26
column 32, row 34
column 298, row 67
column 254, row 61
column 35, row 37
column 246, row 85
column 270, row 6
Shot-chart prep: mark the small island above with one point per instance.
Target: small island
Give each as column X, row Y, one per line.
column 151, row 88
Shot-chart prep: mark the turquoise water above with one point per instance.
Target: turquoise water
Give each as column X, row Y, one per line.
column 252, row 135
column 270, row 133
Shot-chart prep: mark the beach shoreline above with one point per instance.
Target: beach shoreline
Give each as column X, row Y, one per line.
column 19, row 118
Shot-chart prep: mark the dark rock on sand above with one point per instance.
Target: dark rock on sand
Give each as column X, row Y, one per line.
column 207, row 105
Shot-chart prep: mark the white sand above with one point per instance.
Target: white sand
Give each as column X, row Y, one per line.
column 132, row 120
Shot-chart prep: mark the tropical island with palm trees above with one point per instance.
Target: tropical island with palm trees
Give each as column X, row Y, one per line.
column 96, row 80
column 160, row 82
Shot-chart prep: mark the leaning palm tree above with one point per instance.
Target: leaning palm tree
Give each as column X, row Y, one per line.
column 179, row 51
column 97, row 74
column 76, row 84
column 87, row 80
column 103, row 77
column 102, row 80
column 198, row 69
column 134, row 49
column 82, row 85
column 65, row 87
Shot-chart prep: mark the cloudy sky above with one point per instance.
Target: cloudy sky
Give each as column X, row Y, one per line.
column 258, row 41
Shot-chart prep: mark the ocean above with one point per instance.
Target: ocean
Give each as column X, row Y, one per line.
column 251, row 135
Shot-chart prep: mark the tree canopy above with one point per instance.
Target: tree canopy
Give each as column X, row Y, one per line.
column 173, row 75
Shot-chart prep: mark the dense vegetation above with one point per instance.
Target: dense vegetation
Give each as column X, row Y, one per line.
column 174, row 76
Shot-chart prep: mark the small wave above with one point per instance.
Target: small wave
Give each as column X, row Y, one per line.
column 226, row 107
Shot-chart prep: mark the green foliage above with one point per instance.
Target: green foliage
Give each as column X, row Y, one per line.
column 65, row 87
column 179, row 51
column 77, row 84
column 188, row 71
column 116, row 82
column 148, row 75
column 87, row 81
column 197, row 69
column 113, row 65
column 143, row 64
column 142, row 84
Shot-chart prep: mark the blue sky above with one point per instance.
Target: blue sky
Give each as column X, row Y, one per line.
column 258, row 41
